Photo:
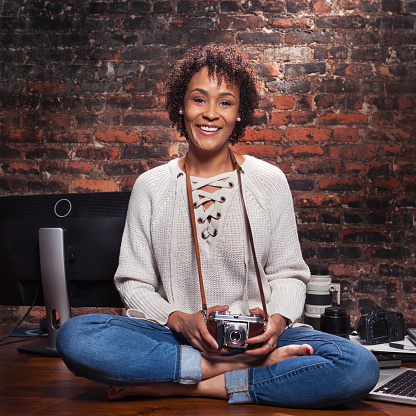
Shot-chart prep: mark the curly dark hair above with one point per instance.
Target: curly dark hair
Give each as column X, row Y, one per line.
column 224, row 62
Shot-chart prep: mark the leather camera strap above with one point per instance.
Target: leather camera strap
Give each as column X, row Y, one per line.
column 195, row 235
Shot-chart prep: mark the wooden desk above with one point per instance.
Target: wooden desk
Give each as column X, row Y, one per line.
column 31, row 385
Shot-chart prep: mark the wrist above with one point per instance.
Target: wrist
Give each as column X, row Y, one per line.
column 280, row 320
column 174, row 321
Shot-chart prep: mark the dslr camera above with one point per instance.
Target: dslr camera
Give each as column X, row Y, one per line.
column 232, row 331
column 378, row 326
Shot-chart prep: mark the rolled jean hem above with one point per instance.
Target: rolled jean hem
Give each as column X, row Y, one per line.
column 237, row 387
column 190, row 371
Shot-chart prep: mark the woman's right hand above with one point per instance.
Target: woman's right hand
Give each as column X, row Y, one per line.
column 194, row 328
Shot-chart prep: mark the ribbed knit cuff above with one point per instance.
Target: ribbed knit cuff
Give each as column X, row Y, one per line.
column 236, row 384
column 190, row 371
column 288, row 299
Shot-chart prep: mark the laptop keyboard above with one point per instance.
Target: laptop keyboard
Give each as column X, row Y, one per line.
column 402, row 385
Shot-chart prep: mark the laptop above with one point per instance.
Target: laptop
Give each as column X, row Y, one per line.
column 397, row 385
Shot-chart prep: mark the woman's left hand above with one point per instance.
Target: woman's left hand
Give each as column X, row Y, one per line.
column 276, row 324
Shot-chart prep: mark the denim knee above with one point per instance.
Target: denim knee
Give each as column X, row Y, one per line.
column 358, row 372
column 71, row 331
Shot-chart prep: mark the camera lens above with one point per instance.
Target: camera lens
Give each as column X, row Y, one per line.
column 319, row 296
column 336, row 321
column 235, row 336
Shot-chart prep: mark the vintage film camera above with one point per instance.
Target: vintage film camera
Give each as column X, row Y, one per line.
column 232, row 331
column 378, row 326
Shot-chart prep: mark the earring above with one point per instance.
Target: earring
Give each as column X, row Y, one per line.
column 238, row 119
column 181, row 112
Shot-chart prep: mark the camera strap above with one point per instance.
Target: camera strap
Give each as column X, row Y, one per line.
column 192, row 207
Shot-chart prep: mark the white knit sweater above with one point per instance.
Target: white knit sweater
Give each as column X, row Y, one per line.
column 157, row 272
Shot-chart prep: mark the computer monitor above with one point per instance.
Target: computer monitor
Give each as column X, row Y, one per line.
column 65, row 245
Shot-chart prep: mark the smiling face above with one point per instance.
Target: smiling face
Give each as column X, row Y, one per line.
column 210, row 111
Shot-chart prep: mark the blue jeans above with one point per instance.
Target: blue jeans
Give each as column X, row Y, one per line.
column 123, row 351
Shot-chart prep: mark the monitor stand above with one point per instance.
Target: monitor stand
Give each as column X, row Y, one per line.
column 55, row 293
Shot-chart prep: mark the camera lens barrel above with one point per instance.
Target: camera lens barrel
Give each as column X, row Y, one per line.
column 319, row 292
column 336, row 321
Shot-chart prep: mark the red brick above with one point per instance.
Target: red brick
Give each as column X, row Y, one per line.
column 358, row 70
column 308, row 134
column 343, row 118
column 25, row 135
column 349, row 270
column 319, row 6
column 406, row 103
column 47, row 86
column 317, row 201
column 384, row 118
column 283, row 102
column 291, row 23
column 47, row 152
column 390, row 184
column 407, row 167
column 395, row 134
column 280, row 118
column 286, row 167
column 258, row 150
column 266, row 135
column 80, row 167
column 23, row 167
column 409, row 185
column 318, row 167
column 127, row 184
column 58, row 120
column 301, row 151
column 407, row 118
column 158, row 119
column 341, row 184
column 240, row 23
column 94, row 185
column 324, row 101
column 353, row 200
column 119, row 136
column 307, row 218
column 291, row 117
column 358, row 151
column 346, row 134
column 144, row 102
column 70, row 136
column 393, row 149
column 268, row 70
column 364, row 168
column 97, row 153
column 364, row 236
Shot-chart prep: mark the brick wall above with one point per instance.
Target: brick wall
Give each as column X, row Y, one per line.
column 82, row 109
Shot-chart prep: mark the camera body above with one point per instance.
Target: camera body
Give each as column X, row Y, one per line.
column 232, row 331
column 378, row 326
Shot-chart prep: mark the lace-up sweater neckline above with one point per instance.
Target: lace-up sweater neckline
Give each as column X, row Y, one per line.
column 157, row 272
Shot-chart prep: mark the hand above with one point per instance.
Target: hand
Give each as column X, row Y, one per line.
column 194, row 328
column 275, row 326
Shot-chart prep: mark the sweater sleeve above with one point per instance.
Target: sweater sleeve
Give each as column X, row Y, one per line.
column 137, row 277
column 286, row 271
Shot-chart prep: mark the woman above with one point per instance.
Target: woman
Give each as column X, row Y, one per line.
column 163, row 347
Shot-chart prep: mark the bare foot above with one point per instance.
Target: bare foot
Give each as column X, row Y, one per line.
column 285, row 353
column 219, row 365
column 212, row 385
